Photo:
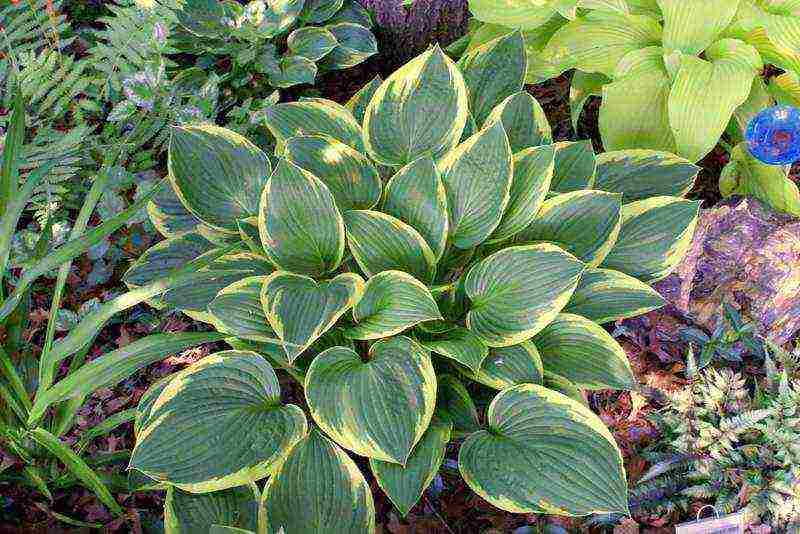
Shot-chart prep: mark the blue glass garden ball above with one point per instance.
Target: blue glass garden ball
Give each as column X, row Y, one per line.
column 773, row 136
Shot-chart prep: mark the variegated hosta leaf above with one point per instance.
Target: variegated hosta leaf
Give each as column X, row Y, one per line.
column 190, row 513
column 317, row 488
column 544, row 453
column 316, row 11
column 477, row 178
column 575, row 164
column 523, row 120
column 462, row 346
column 248, row 232
column 690, row 27
column 454, row 404
column 605, row 296
column 656, row 234
column 392, row 301
column 416, row 196
column 348, row 397
column 533, row 172
column 640, row 174
column 311, row 42
column 201, row 439
column 313, row 117
column 163, row 257
column 420, row 110
column 517, row 291
column 237, row 310
column 300, row 309
column 358, row 102
column 706, row 92
column 293, row 70
column 493, row 72
column 565, row 219
column 404, row 485
column 565, row 387
column 217, row 174
column 582, row 351
column 300, row 226
column 350, row 176
column 379, row 242
column 169, row 215
column 523, row 14
column 356, row 44
column 509, row 366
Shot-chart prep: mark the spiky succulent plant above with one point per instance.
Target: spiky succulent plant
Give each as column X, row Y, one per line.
column 426, row 235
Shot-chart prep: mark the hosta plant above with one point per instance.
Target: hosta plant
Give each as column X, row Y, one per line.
column 423, row 240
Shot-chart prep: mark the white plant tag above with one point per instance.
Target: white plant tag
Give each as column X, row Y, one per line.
column 727, row 524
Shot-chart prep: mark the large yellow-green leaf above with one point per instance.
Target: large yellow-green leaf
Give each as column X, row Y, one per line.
column 217, row 174
column 477, row 178
column 772, row 28
column 544, row 453
column 533, row 172
column 392, row 301
column 350, row 176
column 574, row 166
column 604, row 296
column 300, row 309
column 517, row 291
column 785, row 89
column 454, row 404
column 640, row 174
column 460, row 345
column 523, row 120
column 379, row 242
column 201, row 438
column 416, row 196
column 584, row 223
column 690, row 27
column 350, row 398
column 317, row 489
column 404, row 485
column 582, row 351
column 508, row 366
column 655, row 236
column 420, row 110
column 300, row 226
column 610, row 5
column 237, row 310
column 493, row 72
column 193, row 513
column 583, row 86
column 313, row 117
column 706, row 92
column 523, row 14
column 597, row 41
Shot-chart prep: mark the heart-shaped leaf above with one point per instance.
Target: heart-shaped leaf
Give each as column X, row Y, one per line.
column 300, row 226
column 311, row 42
column 313, row 117
column 163, row 257
column 186, row 513
column 392, row 301
column 505, row 367
column 575, row 164
column 691, row 27
column 517, row 291
column 356, row 44
column 454, row 404
column 316, row 11
column 347, row 397
column 605, row 296
column 640, row 174
column 544, row 453
column 523, row 120
column 293, row 70
column 462, row 346
column 300, row 309
column 169, row 215
column 522, row 14
column 189, row 423
column 237, row 310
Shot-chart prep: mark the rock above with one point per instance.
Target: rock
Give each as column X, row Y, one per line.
column 747, row 255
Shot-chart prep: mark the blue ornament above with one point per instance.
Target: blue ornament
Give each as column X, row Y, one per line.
column 773, row 136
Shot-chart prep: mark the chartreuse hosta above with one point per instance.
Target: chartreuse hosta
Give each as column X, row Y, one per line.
column 423, row 241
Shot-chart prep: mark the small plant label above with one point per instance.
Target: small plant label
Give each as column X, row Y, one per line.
column 728, row 524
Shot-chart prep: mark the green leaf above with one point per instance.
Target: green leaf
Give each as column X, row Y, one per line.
column 379, row 242
column 581, row 351
column 300, row 226
column 358, row 102
column 641, row 174
column 311, row 42
column 237, row 310
column 163, row 257
column 404, row 485
column 493, row 72
column 605, row 296
column 420, row 110
column 517, row 291
column 392, row 301
column 190, row 513
column 454, row 404
column 584, row 85
column 565, row 219
column 656, row 234
column 477, row 177
column 248, row 232
column 316, row 487
column 416, row 196
column 300, row 309
column 169, row 215
column 279, row 16
column 523, row 120
column 313, row 117
column 76, row 466
column 509, row 366
column 522, row 14
column 544, row 453
column 293, row 70
column 706, row 92
column 574, row 166
column 533, row 173
column 462, row 346
column 356, row 44
column 565, row 387
column 316, row 11
column 202, row 439
column 217, row 174
column 347, row 397
column 690, row 27
column 352, row 179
